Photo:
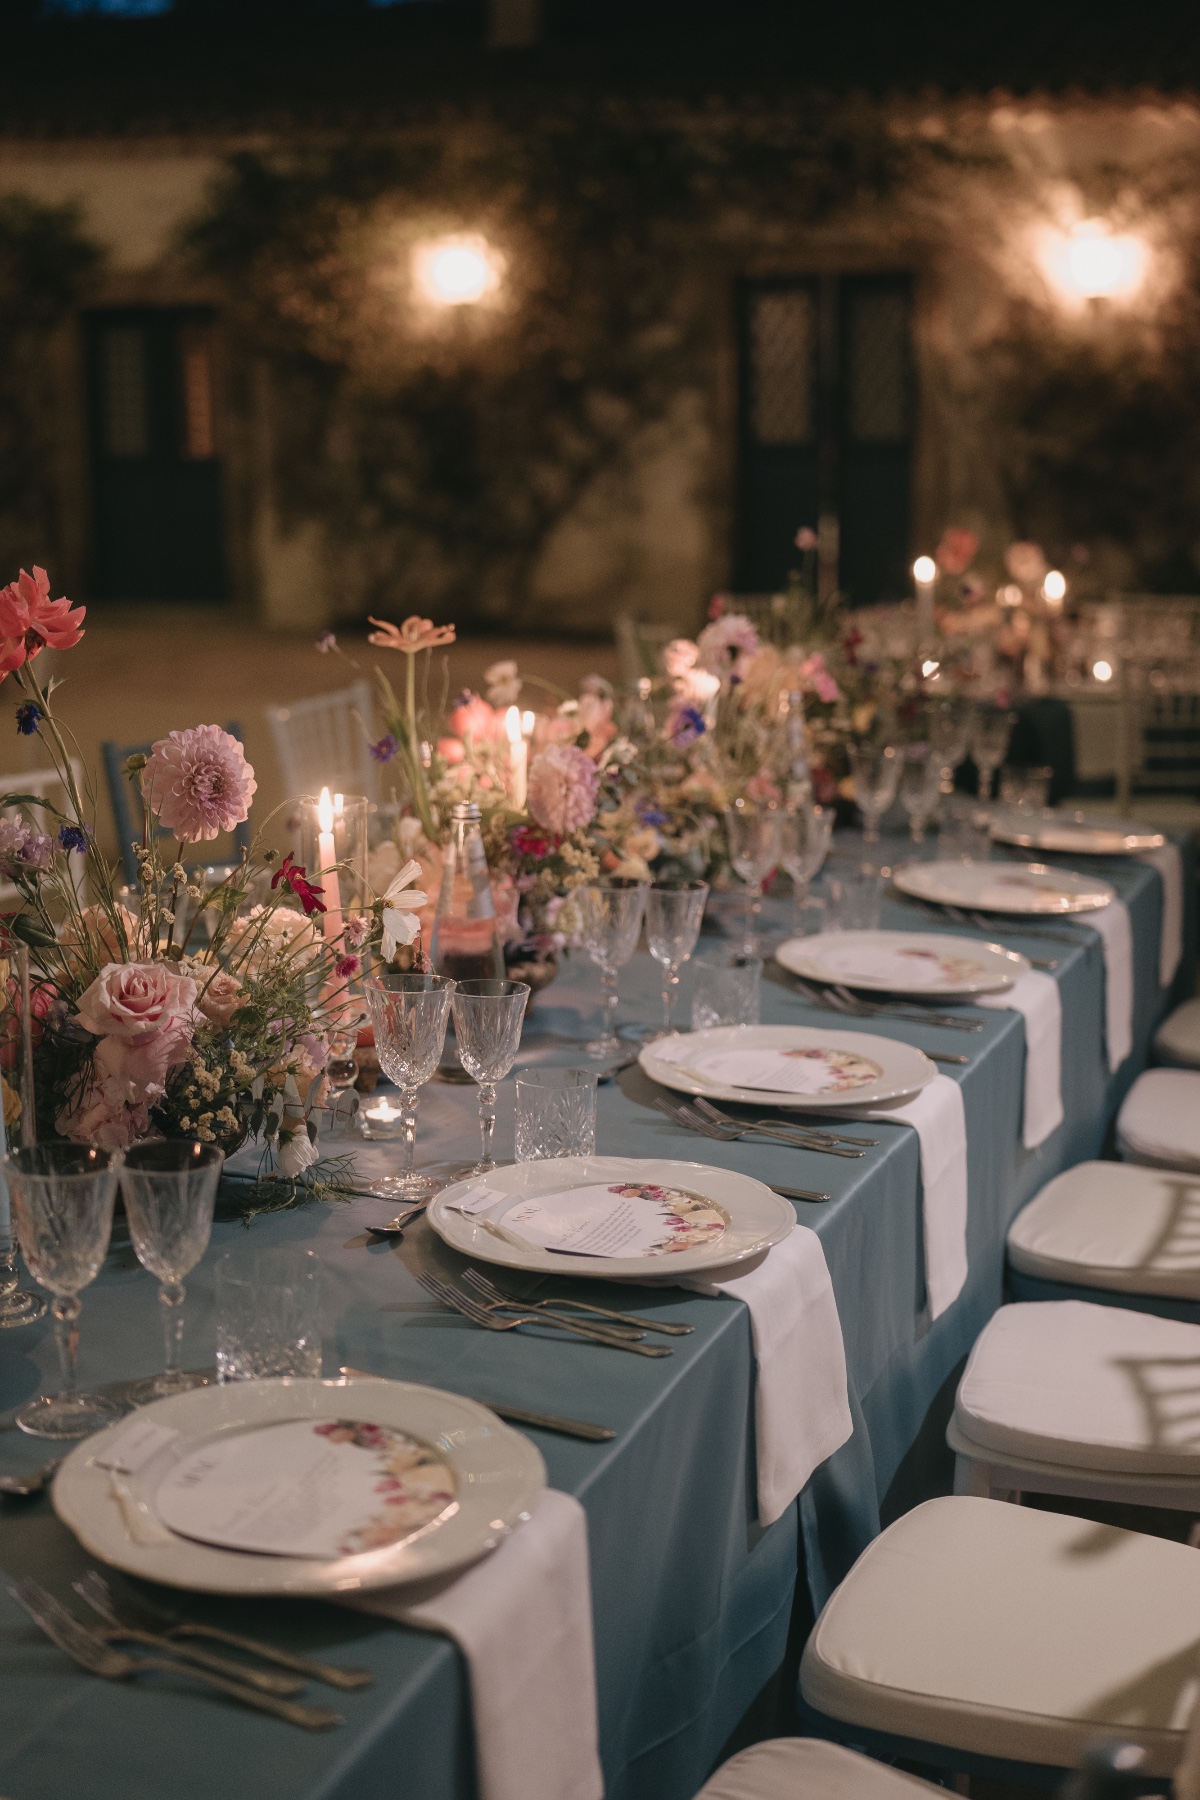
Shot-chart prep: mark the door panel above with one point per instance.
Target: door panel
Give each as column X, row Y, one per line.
column 778, row 455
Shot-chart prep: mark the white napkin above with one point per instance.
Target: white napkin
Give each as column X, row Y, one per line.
column 1112, row 922
column 1037, row 997
column 1169, row 864
column 938, row 1117
column 801, row 1405
column 523, row 1620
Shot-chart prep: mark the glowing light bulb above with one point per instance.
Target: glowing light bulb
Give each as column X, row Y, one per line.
column 1055, row 586
column 1102, row 671
column 1010, row 595
column 325, row 811
column 924, row 570
column 929, row 667
column 456, row 271
column 1090, row 261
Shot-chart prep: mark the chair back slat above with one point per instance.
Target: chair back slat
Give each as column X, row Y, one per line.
column 323, row 742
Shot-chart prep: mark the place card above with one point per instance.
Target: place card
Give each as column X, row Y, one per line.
column 626, row 1219
column 136, row 1444
column 477, row 1199
column 313, row 1488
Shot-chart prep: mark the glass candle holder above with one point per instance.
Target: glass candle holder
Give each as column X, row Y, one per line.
column 332, row 848
column 382, row 1118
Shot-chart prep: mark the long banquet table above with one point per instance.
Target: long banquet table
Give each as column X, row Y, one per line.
column 692, row 1599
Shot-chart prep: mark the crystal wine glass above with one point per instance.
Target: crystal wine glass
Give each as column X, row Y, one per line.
column 170, row 1188
column 753, row 834
column 409, row 1013
column 674, row 915
column 948, row 736
column 62, row 1198
column 803, row 846
column 487, row 1024
column 991, row 728
column 876, row 772
column 920, row 789
column 610, row 914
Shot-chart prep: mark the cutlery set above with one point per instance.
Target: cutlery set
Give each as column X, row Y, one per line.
column 841, row 1000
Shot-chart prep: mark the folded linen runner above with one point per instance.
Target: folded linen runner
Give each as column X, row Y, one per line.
column 938, row 1117
column 1169, row 864
column 523, row 1620
column 801, row 1404
column 1037, row 997
column 1112, row 922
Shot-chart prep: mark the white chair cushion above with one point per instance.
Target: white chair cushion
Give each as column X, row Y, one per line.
column 1113, row 1225
column 1095, row 1387
column 809, row 1769
column 1159, row 1120
column 1012, row 1633
column 1177, row 1039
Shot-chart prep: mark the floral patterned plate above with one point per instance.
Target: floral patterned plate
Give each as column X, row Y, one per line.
column 1004, row 887
column 447, row 1481
column 798, row 1066
column 677, row 1216
column 920, row 963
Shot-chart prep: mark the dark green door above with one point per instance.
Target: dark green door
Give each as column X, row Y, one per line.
column 159, row 530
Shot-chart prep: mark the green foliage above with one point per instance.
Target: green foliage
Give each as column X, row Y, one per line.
column 44, row 263
column 445, row 447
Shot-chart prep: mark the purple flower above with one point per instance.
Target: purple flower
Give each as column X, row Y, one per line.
column 686, row 727
column 74, row 837
column 37, row 851
column 29, row 717
column 647, row 812
column 384, row 750
column 326, row 642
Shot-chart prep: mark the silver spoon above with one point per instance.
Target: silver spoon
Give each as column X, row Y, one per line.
column 24, row 1487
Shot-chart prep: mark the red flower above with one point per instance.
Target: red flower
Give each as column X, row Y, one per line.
column 30, row 619
column 293, row 877
column 347, row 966
column 527, row 841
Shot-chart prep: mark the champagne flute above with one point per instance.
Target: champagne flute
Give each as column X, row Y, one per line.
column 610, row 914
column 991, row 728
column 487, row 1025
column 170, row 1188
column 408, row 1015
column 674, row 915
column 920, row 789
column 876, row 772
column 803, row 846
column 62, row 1200
column 753, row 834
column 948, row 736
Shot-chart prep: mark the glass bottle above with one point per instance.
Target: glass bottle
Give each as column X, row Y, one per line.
column 798, row 790
column 466, row 939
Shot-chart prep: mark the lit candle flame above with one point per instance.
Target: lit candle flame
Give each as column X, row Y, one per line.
column 325, row 811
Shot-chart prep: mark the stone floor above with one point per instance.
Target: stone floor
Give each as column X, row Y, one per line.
column 138, row 674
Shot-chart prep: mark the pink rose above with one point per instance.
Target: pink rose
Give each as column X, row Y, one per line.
column 144, row 1067
column 220, row 997
column 135, row 1001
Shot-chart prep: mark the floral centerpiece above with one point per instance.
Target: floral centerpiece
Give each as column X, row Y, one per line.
column 189, row 1008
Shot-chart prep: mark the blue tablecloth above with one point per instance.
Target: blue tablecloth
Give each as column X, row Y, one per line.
column 692, row 1600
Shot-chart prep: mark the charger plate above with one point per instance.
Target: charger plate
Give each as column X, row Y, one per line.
column 754, row 1216
column 498, row 1473
column 1004, row 887
column 926, row 964
column 863, row 1069
column 1075, row 833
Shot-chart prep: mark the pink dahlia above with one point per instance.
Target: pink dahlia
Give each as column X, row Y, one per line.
column 198, row 783
column 562, row 788
column 30, row 620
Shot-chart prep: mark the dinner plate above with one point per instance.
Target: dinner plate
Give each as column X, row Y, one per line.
column 841, row 1068
column 751, row 1216
column 903, row 962
column 1075, row 832
column 1002, row 887
column 497, row 1475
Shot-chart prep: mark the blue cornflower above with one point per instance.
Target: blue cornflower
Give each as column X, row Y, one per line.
column 648, row 813
column 29, row 717
column 74, row 837
column 689, row 725
column 385, row 749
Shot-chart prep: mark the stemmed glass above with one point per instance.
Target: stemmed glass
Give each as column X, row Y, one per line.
column 409, row 1013
column 920, row 789
column 674, row 916
column 610, row 914
column 753, row 834
column 803, row 847
column 62, row 1198
column 948, row 736
column 991, row 728
column 487, row 1024
column 170, row 1188
column 876, row 772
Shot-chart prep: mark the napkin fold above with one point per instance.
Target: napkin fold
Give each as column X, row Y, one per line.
column 801, row 1402
column 1112, row 923
column 938, row 1117
column 523, row 1620
column 1036, row 996
column 1169, row 864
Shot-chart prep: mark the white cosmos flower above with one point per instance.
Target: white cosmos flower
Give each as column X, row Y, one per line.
column 400, row 905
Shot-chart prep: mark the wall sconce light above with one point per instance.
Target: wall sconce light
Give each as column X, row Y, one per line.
column 1090, row 261
column 456, row 271
column 1102, row 671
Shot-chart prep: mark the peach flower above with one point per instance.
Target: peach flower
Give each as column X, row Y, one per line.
column 220, row 997
column 30, row 620
column 415, row 634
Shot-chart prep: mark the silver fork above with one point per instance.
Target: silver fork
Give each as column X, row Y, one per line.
column 101, row 1603
column 99, row 1657
column 729, row 1134
column 93, row 1588
column 700, row 1104
column 799, row 1137
column 478, row 1314
column 477, row 1279
column 836, row 998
